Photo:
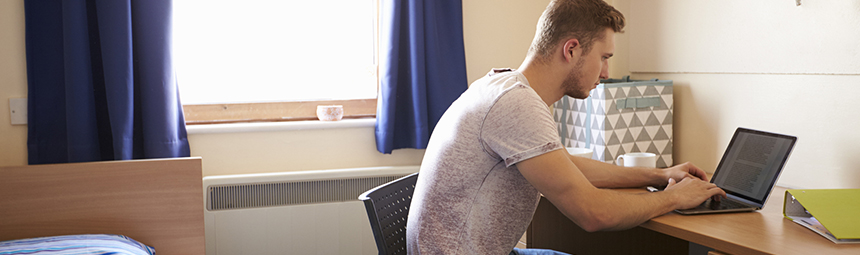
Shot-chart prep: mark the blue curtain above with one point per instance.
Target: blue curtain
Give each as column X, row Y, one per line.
column 422, row 69
column 101, row 84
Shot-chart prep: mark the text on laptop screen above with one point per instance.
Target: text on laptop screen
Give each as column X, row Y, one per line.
column 752, row 163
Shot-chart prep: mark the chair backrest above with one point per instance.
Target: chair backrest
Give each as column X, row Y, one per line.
column 387, row 208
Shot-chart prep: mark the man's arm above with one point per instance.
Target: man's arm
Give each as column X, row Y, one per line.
column 593, row 209
column 604, row 175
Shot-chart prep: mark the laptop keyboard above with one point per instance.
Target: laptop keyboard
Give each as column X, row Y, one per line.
column 724, row 204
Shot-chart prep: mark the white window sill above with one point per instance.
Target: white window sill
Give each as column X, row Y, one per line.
column 278, row 126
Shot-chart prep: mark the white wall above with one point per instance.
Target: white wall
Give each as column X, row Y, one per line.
column 261, row 151
column 766, row 65
column 13, row 81
column 498, row 33
column 736, row 36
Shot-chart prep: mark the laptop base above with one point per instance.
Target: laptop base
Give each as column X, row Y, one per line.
column 711, row 206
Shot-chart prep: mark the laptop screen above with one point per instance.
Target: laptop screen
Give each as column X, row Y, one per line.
column 752, row 163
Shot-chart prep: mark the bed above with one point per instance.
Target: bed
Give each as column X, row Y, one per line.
column 158, row 202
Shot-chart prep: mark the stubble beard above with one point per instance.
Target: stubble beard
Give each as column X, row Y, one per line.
column 572, row 84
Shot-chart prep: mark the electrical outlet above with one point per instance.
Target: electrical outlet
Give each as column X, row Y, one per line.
column 18, row 110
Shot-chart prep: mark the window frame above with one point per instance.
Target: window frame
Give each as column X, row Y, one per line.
column 272, row 112
column 202, row 114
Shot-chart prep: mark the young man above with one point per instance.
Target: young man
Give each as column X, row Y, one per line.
column 497, row 149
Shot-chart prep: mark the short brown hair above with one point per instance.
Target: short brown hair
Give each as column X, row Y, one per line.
column 584, row 20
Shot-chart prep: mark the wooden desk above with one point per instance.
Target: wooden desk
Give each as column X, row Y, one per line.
column 762, row 232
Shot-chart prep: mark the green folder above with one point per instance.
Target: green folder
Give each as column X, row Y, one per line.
column 832, row 213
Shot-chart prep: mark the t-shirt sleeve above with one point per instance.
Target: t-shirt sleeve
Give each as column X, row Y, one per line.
column 519, row 126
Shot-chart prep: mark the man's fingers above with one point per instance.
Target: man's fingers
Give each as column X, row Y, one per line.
column 720, row 193
column 699, row 174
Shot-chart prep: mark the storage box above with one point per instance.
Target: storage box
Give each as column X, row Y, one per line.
column 620, row 116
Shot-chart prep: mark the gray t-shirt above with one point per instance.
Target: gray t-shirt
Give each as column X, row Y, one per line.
column 470, row 197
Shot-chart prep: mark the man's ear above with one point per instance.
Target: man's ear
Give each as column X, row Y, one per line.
column 572, row 50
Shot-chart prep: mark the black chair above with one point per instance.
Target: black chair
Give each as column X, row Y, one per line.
column 387, row 207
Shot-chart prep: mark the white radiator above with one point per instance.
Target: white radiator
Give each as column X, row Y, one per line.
column 307, row 212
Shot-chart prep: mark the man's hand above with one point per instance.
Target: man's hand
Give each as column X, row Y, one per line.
column 692, row 191
column 682, row 171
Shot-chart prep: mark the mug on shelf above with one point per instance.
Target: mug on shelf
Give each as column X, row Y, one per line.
column 329, row 112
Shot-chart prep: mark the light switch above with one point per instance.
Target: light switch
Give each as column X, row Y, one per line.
column 18, row 110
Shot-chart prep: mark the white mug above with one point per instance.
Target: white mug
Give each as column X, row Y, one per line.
column 329, row 112
column 642, row 159
column 580, row 152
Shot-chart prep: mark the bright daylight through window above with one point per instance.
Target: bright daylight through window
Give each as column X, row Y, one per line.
column 264, row 51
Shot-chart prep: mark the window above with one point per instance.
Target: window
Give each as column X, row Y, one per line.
column 271, row 60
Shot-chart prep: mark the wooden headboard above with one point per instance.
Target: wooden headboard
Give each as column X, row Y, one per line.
column 158, row 202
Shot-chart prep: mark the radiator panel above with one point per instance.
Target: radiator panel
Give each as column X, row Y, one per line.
column 310, row 212
column 251, row 195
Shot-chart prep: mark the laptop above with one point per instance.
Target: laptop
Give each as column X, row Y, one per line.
column 748, row 171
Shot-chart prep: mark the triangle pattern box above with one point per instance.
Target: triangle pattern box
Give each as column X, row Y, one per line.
column 620, row 116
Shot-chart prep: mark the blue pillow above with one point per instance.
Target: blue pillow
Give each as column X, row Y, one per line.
column 76, row 244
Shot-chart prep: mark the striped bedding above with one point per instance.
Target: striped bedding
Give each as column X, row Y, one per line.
column 76, row 244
